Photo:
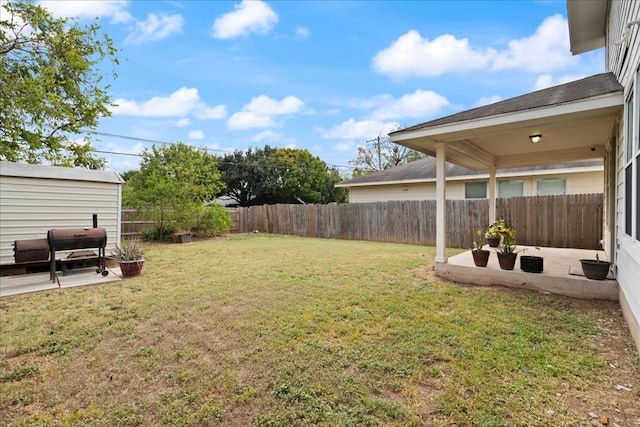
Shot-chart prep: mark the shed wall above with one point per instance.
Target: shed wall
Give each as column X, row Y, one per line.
column 29, row 207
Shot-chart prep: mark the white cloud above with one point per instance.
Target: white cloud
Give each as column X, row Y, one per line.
column 250, row 16
column 267, row 135
column 212, row 113
column 412, row 55
column 116, row 10
column 420, row 104
column 303, row 33
column 180, row 103
column 359, row 130
column 196, row 134
column 488, row 100
column 156, row 27
column 262, row 111
column 344, row 147
column 182, row 123
column 547, row 49
column 546, row 80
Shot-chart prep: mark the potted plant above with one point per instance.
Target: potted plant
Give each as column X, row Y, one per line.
column 480, row 256
column 496, row 231
column 507, row 253
column 531, row 263
column 595, row 269
column 130, row 256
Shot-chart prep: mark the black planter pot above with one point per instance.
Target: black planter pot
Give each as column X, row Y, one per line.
column 480, row 258
column 594, row 269
column 531, row 263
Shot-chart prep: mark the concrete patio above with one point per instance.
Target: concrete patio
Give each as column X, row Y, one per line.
column 562, row 274
column 26, row 283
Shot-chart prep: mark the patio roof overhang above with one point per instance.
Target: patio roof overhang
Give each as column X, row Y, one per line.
column 571, row 131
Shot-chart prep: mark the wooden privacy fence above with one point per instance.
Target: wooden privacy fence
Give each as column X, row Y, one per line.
column 571, row 221
column 133, row 224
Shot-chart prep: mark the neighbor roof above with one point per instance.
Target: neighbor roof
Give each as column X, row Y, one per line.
column 593, row 86
column 425, row 170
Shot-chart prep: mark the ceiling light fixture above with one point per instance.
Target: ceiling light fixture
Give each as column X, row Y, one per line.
column 535, row 138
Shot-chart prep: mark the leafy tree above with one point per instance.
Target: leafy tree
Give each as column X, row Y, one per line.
column 333, row 193
column 172, row 186
column 247, row 174
column 381, row 153
column 51, row 87
column 278, row 175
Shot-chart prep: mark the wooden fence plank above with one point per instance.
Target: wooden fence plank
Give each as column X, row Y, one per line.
column 559, row 221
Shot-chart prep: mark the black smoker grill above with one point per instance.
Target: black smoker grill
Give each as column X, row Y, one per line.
column 77, row 238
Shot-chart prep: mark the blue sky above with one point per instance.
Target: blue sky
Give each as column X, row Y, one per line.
column 320, row 75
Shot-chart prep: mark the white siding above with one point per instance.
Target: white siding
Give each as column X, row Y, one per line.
column 29, row 207
column 623, row 60
column 577, row 183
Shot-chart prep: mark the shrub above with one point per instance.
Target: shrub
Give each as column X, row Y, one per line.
column 213, row 220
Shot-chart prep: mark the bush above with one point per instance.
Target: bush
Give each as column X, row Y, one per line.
column 213, row 220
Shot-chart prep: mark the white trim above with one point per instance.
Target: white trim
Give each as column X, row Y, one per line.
column 531, row 174
column 441, row 203
column 615, row 99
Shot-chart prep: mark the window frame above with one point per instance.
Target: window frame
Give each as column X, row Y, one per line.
column 477, row 183
column 631, row 166
column 564, row 190
column 510, row 182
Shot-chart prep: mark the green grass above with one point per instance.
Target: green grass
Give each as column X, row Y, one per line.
column 277, row 331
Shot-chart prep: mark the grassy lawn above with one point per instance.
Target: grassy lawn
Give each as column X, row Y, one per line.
column 269, row 330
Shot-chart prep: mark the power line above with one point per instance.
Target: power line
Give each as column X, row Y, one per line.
column 155, row 141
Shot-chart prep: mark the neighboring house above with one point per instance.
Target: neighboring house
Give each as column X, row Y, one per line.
column 35, row 199
column 594, row 118
column 417, row 181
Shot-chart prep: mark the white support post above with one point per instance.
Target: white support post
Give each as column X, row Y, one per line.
column 441, row 203
column 492, row 194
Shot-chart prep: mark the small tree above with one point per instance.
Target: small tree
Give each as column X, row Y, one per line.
column 51, row 87
column 172, row 186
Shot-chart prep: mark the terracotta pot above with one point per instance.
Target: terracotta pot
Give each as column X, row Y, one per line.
column 596, row 270
column 531, row 263
column 507, row 261
column 493, row 242
column 131, row 268
column 480, row 258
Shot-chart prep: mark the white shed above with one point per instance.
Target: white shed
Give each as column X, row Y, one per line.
column 35, row 199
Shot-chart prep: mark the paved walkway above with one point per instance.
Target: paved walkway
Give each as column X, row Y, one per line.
column 25, row 283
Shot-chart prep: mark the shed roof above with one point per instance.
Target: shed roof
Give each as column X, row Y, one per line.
column 425, row 170
column 57, row 172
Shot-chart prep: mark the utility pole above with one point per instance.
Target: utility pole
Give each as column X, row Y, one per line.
column 378, row 150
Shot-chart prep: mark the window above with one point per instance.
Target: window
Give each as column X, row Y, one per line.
column 552, row 187
column 475, row 190
column 632, row 165
column 510, row 188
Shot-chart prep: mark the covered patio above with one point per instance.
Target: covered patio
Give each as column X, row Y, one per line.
column 562, row 274
column 572, row 122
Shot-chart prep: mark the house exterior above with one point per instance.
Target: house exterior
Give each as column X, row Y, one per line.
column 417, row 181
column 35, row 199
column 593, row 118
